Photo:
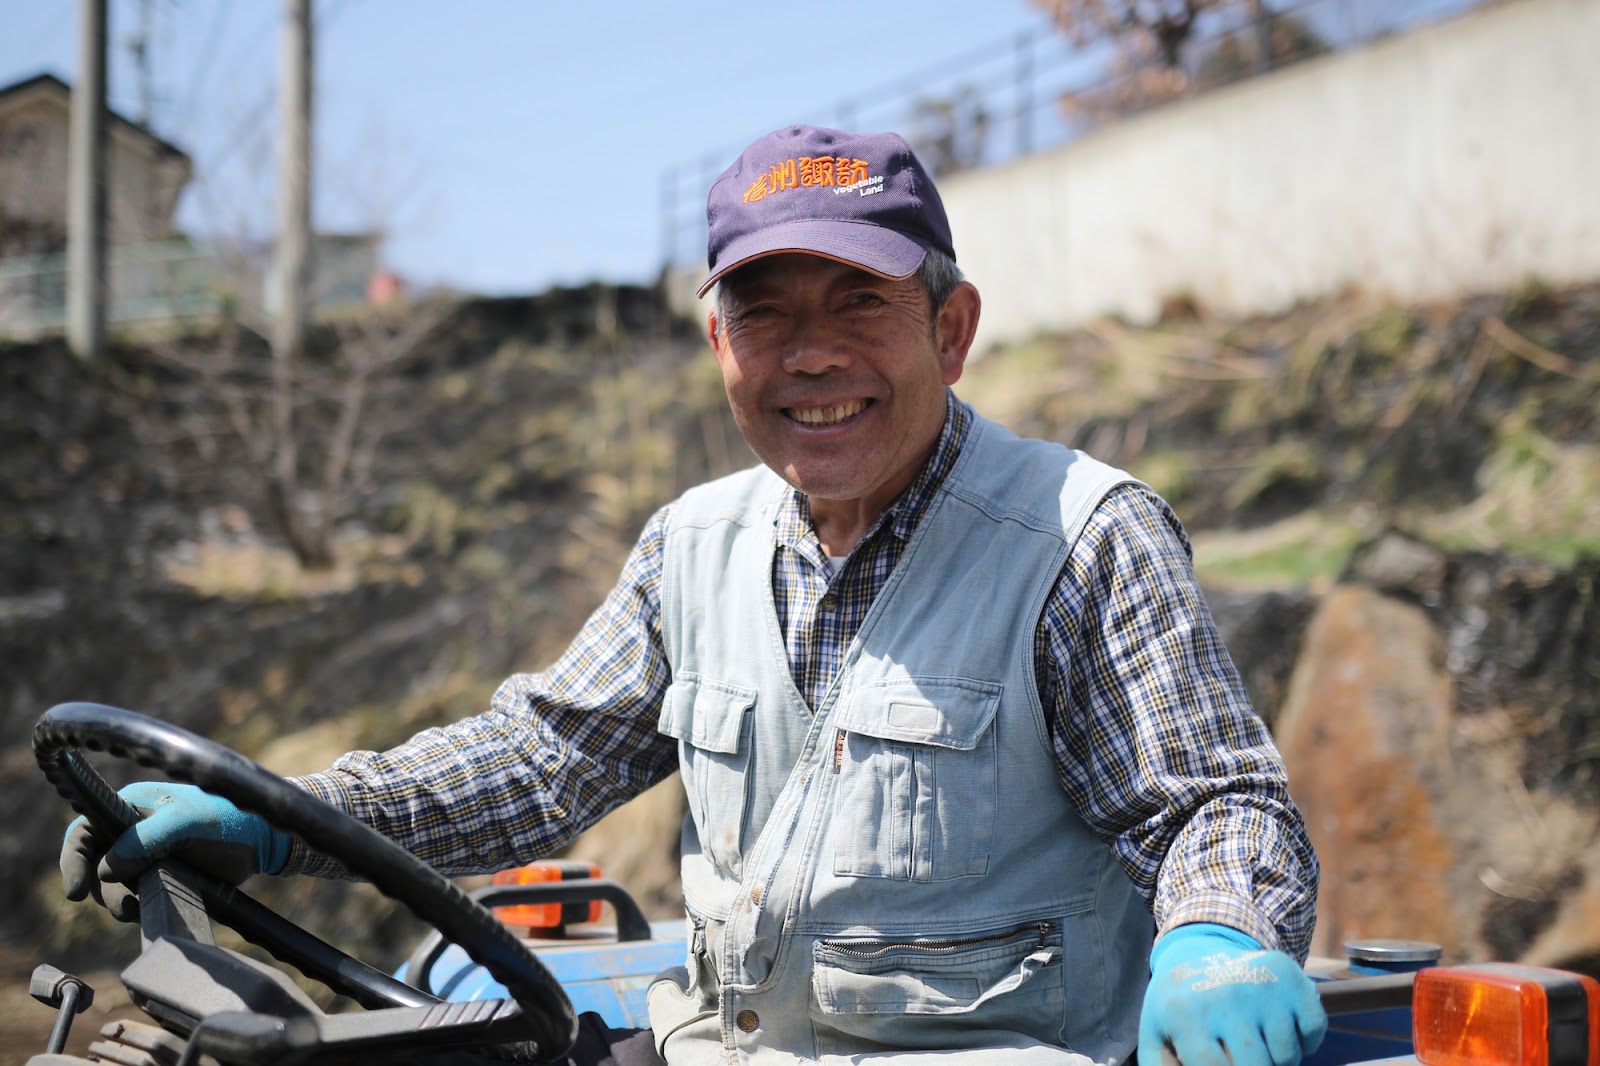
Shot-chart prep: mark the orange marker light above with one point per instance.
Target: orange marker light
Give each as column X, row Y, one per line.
column 1505, row 1015
column 538, row 918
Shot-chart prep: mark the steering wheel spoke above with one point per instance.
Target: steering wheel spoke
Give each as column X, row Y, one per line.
column 176, row 900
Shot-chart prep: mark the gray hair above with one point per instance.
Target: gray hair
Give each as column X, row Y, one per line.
column 938, row 275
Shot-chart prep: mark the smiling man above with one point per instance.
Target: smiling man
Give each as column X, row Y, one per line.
column 837, row 380
column 970, row 775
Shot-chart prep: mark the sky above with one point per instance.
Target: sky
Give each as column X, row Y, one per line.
column 506, row 146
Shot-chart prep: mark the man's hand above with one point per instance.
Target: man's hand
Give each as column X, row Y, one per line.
column 183, row 822
column 1216, row 998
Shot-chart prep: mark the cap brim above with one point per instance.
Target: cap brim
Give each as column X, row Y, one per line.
column 884, row 252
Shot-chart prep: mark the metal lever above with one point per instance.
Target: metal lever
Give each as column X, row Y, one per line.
column 68, row 994
column 1355, row 995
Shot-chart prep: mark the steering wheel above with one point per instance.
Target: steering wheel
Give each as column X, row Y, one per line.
column 538, row 1023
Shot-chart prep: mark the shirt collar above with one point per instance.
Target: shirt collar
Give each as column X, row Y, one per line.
column 793, row 517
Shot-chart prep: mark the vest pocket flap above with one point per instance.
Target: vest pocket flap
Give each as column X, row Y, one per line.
column 707, row 714
column 945, row 714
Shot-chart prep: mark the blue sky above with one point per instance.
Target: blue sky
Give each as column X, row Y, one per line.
column 506, row 146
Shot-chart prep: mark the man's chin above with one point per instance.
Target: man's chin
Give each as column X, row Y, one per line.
column 824, row 486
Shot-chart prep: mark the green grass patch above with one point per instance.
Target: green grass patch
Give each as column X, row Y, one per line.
column 1286, row 565
column 1306, row 551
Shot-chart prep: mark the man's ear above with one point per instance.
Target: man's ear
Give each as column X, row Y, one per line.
column 955, row 328
column 717, row 334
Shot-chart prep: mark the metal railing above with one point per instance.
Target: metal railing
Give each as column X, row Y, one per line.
column 158, row 281
column 1027, row 93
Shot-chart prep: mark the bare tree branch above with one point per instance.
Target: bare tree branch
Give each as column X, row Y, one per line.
column 225, row 390
column 1166, row 49
column 370, row 346
column 1168, row 24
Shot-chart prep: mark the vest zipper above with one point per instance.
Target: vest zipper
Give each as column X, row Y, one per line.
column 859, row 948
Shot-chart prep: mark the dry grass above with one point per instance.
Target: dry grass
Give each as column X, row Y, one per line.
column 1232, row 420
column 1540, row 498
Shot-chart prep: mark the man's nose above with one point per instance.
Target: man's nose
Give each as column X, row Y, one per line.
column 814, row 347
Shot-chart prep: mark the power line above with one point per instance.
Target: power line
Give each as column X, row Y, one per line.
column 248, row 126
column 220, row 17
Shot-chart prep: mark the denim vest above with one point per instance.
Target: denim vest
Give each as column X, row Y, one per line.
column 900, row 870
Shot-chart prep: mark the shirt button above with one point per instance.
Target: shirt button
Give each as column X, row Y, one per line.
column 755, row 894
column 747, row 1021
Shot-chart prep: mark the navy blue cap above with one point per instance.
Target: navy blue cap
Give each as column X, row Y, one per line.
column 860, row 198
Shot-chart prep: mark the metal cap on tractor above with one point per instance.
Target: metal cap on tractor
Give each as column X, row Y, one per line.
column 1382, row 953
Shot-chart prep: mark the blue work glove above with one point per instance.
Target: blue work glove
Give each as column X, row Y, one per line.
column 1217, row 998
column 183, row 822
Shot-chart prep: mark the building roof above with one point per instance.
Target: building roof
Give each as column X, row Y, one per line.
column 50, row 85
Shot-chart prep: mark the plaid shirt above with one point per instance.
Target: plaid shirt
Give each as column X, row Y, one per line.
column 1154, row 738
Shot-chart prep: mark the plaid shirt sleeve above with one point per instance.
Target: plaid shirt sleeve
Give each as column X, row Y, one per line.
column 554, row 752
column 1155, row 739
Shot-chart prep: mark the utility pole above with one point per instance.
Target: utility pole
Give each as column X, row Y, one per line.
column 292, row 255
column 86, row 189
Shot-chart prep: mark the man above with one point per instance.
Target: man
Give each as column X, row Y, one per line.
column 953, row 719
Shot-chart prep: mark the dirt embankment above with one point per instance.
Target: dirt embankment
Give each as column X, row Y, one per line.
column 499, row 475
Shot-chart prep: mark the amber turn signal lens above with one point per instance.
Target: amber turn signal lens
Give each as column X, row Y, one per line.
column 546, row 917
column 1505, row 1015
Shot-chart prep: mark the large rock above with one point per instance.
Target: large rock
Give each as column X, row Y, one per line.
column 1441, row 739
column 1365, row 734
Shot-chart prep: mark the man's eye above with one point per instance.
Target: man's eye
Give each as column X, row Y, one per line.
column 865, row 298
column 747, row 315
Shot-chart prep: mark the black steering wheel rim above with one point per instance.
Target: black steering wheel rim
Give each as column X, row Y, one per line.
column 66, row 729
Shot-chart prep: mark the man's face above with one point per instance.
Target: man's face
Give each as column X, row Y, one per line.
column 836, row 376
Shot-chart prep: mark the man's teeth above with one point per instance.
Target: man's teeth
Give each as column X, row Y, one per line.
column 827, row 416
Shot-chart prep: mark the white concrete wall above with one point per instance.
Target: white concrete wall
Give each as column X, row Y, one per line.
column 1462, row 157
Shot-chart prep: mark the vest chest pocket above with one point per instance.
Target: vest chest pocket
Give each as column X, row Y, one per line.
column 917, row 779
column 710, row 721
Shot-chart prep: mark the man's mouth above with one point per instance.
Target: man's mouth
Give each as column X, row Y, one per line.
column 826, row 416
